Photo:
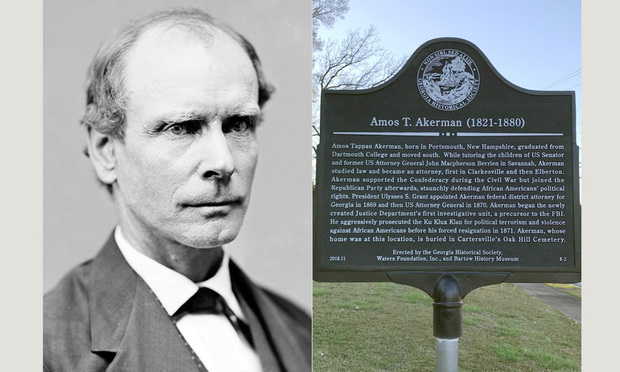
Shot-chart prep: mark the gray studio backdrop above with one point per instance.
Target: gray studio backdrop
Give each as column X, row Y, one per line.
column 275, row 242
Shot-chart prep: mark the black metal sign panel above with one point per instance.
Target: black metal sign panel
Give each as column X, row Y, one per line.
column 448, row 167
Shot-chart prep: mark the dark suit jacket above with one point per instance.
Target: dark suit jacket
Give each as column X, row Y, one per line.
column 103, row 317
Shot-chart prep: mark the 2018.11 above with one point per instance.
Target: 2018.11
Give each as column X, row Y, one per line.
column 337, row 258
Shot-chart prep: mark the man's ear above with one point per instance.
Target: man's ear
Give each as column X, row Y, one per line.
column 100, row 149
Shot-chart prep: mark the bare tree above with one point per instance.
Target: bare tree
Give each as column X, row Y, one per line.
column 356, row 62
column 326, row 13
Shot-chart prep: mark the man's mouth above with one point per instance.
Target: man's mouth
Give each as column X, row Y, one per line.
column 228, row 202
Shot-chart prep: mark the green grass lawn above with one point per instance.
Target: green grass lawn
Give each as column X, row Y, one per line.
column 389, row 327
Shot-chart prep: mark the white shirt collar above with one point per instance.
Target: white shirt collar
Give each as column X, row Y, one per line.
column 174, row 289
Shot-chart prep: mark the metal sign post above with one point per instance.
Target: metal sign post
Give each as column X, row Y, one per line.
column 447, row 291
column 447, row 358
column 447, row 323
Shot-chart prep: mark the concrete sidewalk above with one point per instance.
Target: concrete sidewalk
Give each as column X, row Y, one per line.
column 566, row 304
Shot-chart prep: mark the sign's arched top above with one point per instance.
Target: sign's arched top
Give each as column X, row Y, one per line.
column 448, row 79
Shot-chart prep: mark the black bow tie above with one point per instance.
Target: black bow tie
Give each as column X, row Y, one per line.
column 207, row 301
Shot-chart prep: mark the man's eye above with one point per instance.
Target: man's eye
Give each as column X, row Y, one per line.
column 239, row 124
column 176, row 129
column 186, row 127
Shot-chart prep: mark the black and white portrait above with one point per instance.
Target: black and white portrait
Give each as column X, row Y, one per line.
column 176, row 138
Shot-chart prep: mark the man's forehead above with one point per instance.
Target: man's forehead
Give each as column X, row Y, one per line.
column 171, row 71
column 166, row 53
column 168, row 38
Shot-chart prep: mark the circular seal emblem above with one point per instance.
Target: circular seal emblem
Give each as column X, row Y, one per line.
column 448, row 79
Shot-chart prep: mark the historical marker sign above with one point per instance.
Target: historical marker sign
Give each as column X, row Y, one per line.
column 447, row 168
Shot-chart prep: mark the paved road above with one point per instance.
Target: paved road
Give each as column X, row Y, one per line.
column 568, row 305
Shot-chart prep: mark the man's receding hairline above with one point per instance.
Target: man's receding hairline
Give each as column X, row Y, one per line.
column 152, row 35
column 207, row 38
column 204, row 30
column 198, row 24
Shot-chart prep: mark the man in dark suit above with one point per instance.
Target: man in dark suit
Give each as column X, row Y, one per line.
column 172, row 106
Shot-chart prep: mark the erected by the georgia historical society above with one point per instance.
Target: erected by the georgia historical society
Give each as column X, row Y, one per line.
column 448, row 167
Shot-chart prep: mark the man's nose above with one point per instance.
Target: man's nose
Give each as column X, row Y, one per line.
column 216, row 159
